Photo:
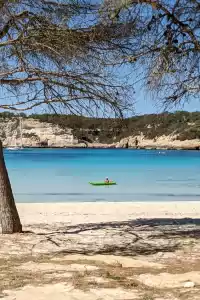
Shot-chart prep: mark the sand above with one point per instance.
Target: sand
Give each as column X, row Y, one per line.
column 103, row 251
column 76, row 213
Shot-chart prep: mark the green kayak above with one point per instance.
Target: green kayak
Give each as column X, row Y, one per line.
column 102, row 183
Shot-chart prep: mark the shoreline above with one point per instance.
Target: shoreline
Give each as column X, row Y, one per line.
column 111, row 147
column 109, row 202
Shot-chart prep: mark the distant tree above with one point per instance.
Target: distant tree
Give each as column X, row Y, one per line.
column 7, row 114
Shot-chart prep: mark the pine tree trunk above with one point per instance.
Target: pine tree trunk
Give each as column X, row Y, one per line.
column 9, row 218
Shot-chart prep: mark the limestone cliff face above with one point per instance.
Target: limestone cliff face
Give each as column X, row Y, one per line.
column 162, row 142
column 43, row 134
column 35, row 134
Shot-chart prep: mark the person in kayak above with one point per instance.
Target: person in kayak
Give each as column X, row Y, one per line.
column 106, row 180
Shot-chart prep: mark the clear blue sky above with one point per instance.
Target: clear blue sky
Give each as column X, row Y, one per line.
column 143, row 102
column 145, row 105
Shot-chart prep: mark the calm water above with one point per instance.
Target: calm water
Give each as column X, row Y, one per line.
column 48, row 175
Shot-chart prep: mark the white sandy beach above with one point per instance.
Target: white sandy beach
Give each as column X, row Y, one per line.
column 77, row 213
column 85, row 251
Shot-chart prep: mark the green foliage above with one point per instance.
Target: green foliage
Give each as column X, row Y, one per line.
column 6, row 114
column 184, row 125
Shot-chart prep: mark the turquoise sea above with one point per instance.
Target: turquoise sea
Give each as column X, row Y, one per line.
column 62, row 175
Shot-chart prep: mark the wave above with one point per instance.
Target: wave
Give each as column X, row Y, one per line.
column 111, row 194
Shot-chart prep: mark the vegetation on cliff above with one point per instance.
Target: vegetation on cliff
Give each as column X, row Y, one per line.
column 185, row 125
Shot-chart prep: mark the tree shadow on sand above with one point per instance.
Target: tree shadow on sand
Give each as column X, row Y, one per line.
column 133, row 237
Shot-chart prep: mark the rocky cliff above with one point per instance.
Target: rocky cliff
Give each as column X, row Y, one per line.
column 36, row 133
column 162, row 142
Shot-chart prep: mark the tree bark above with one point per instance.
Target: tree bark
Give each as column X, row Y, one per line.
column 10, row 221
